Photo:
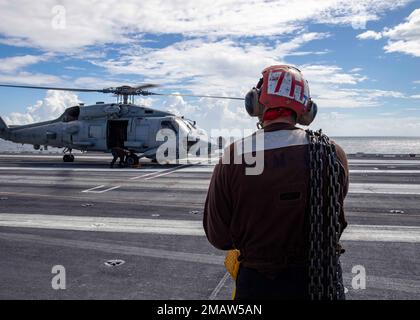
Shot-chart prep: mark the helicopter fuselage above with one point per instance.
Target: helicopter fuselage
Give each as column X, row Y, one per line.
column 102, row 127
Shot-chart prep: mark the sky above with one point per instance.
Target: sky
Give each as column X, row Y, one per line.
column 361, row 58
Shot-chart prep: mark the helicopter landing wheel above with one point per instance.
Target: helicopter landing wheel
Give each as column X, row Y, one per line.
column 132, row 160
column 68, row 158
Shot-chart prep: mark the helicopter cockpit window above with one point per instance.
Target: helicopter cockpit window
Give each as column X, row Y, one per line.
column 71, row 114
column 168, row 125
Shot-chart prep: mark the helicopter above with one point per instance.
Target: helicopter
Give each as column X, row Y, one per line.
column 104, row 126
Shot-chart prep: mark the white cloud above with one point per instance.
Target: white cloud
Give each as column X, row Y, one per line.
column 404, row 38
column 226, row 68
column 51, row 107
column 370, row 34
column 330, row 74
column 30, row 78
column 11, row 71
column 336, row 97
column 357, row 13
column 146, row 102
column 331, row 87
column 29, row 23
column 97, row 82
column 220, row 67
column 416, row 96
column 11, row 64
column 73, row 68
column 209, row 113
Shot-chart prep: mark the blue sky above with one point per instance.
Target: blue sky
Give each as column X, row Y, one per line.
column 361, row 58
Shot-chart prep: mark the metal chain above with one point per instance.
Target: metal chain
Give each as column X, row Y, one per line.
column 324, row 226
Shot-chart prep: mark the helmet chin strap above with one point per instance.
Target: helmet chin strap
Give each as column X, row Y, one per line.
column 260, row 123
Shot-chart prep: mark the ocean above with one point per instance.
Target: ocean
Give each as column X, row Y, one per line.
column 380, row 145
column 351, row 145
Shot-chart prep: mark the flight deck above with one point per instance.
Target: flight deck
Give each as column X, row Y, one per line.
column 84, row 215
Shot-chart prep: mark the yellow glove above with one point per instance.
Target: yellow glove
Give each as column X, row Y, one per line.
column 232, row 262
column 232, row 265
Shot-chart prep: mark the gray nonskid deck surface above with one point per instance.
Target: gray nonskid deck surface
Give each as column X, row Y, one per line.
column 82, row 214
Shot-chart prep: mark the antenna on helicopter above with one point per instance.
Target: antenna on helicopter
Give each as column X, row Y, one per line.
column 125, row 94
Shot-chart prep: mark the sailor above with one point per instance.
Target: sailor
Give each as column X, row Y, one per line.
column 118, row 153
column 266, row 219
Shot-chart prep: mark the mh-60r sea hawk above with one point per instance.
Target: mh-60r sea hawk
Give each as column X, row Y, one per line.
column 102, row 127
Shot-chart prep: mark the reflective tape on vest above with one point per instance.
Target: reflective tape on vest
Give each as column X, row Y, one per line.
column 262, row 141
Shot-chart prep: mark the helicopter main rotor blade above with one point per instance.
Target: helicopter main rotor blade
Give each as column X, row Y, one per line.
column 122, row 90
column 193, row 95
column 50, row 88
column 117, row 90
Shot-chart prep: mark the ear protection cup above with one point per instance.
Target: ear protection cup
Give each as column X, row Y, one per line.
column 252, row 104
column 309, row 115
column 252, row 101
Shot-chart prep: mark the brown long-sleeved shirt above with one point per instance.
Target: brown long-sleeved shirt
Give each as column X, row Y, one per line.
column 266, row 216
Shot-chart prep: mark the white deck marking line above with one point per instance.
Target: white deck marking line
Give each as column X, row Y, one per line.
column 219, row 286
column 52, row 156
column 170, row 204
column 103, row 224
column 172, row 171
column 164, row 172
column 145, row 175
column 380, row 233
column 390, row 171
column 95, row 189
column 149, row 175
column 387, row 165
column 382, row 161
column 116, row 170
column 384, row 188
